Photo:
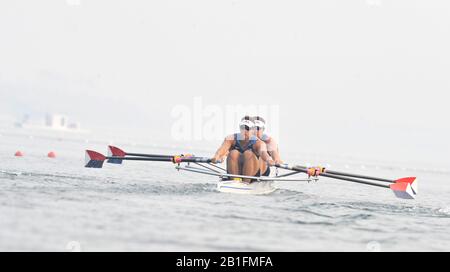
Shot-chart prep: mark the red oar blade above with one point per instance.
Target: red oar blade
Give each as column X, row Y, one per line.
column 412, row 181
column 94, row 159
column 116, row 152
column 403, row 190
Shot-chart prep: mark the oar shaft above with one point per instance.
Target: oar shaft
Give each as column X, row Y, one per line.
column 354, row 180
column 164, row 159
column 353, row 175
column 148, row 155
column 328, row 175
column 117, row 152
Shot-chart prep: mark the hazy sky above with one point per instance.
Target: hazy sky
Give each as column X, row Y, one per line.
column 356, row 75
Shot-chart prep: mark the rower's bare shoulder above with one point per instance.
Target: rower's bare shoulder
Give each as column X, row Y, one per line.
column 228, row 141
column 259, row 143
column 229, row 137
column 270, row 140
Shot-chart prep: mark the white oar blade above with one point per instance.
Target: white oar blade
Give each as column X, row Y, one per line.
column 403, row 190
column 94, row 159
column 116, row 152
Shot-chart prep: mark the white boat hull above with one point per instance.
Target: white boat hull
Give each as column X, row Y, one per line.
column 239, row 187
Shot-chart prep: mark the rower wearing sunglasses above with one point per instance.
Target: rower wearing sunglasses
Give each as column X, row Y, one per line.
column 245, row 151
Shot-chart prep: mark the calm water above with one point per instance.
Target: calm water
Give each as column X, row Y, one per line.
column 58, row 205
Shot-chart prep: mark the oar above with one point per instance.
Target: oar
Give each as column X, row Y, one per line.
column 411, row 180
column 407, row 179
column 94, row 159
column 118, row 153
column 400, row 189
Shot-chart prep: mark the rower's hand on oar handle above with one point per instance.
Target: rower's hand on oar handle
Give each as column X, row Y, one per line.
column 279, row 162
column 315, row 171
column 272, row 162
column 216, row 160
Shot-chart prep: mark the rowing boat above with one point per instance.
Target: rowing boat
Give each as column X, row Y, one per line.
column 240, row 187
column 229, row 183
column 405, row 188
column 233, row 183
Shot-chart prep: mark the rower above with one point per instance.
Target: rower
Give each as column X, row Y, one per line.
column 245, row 151
column 272, row 146
column 273, row 150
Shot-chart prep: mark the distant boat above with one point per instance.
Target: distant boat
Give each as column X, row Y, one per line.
column 55, row 122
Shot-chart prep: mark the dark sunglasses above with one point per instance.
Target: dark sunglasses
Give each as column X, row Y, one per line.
column 245, row 127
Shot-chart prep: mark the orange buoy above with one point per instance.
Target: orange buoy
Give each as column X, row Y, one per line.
column 51, row 154
column 18, row 154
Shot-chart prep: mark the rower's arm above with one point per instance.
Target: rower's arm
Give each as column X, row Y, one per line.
column 261, row 149
column 272, row 146
column 223, row 149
